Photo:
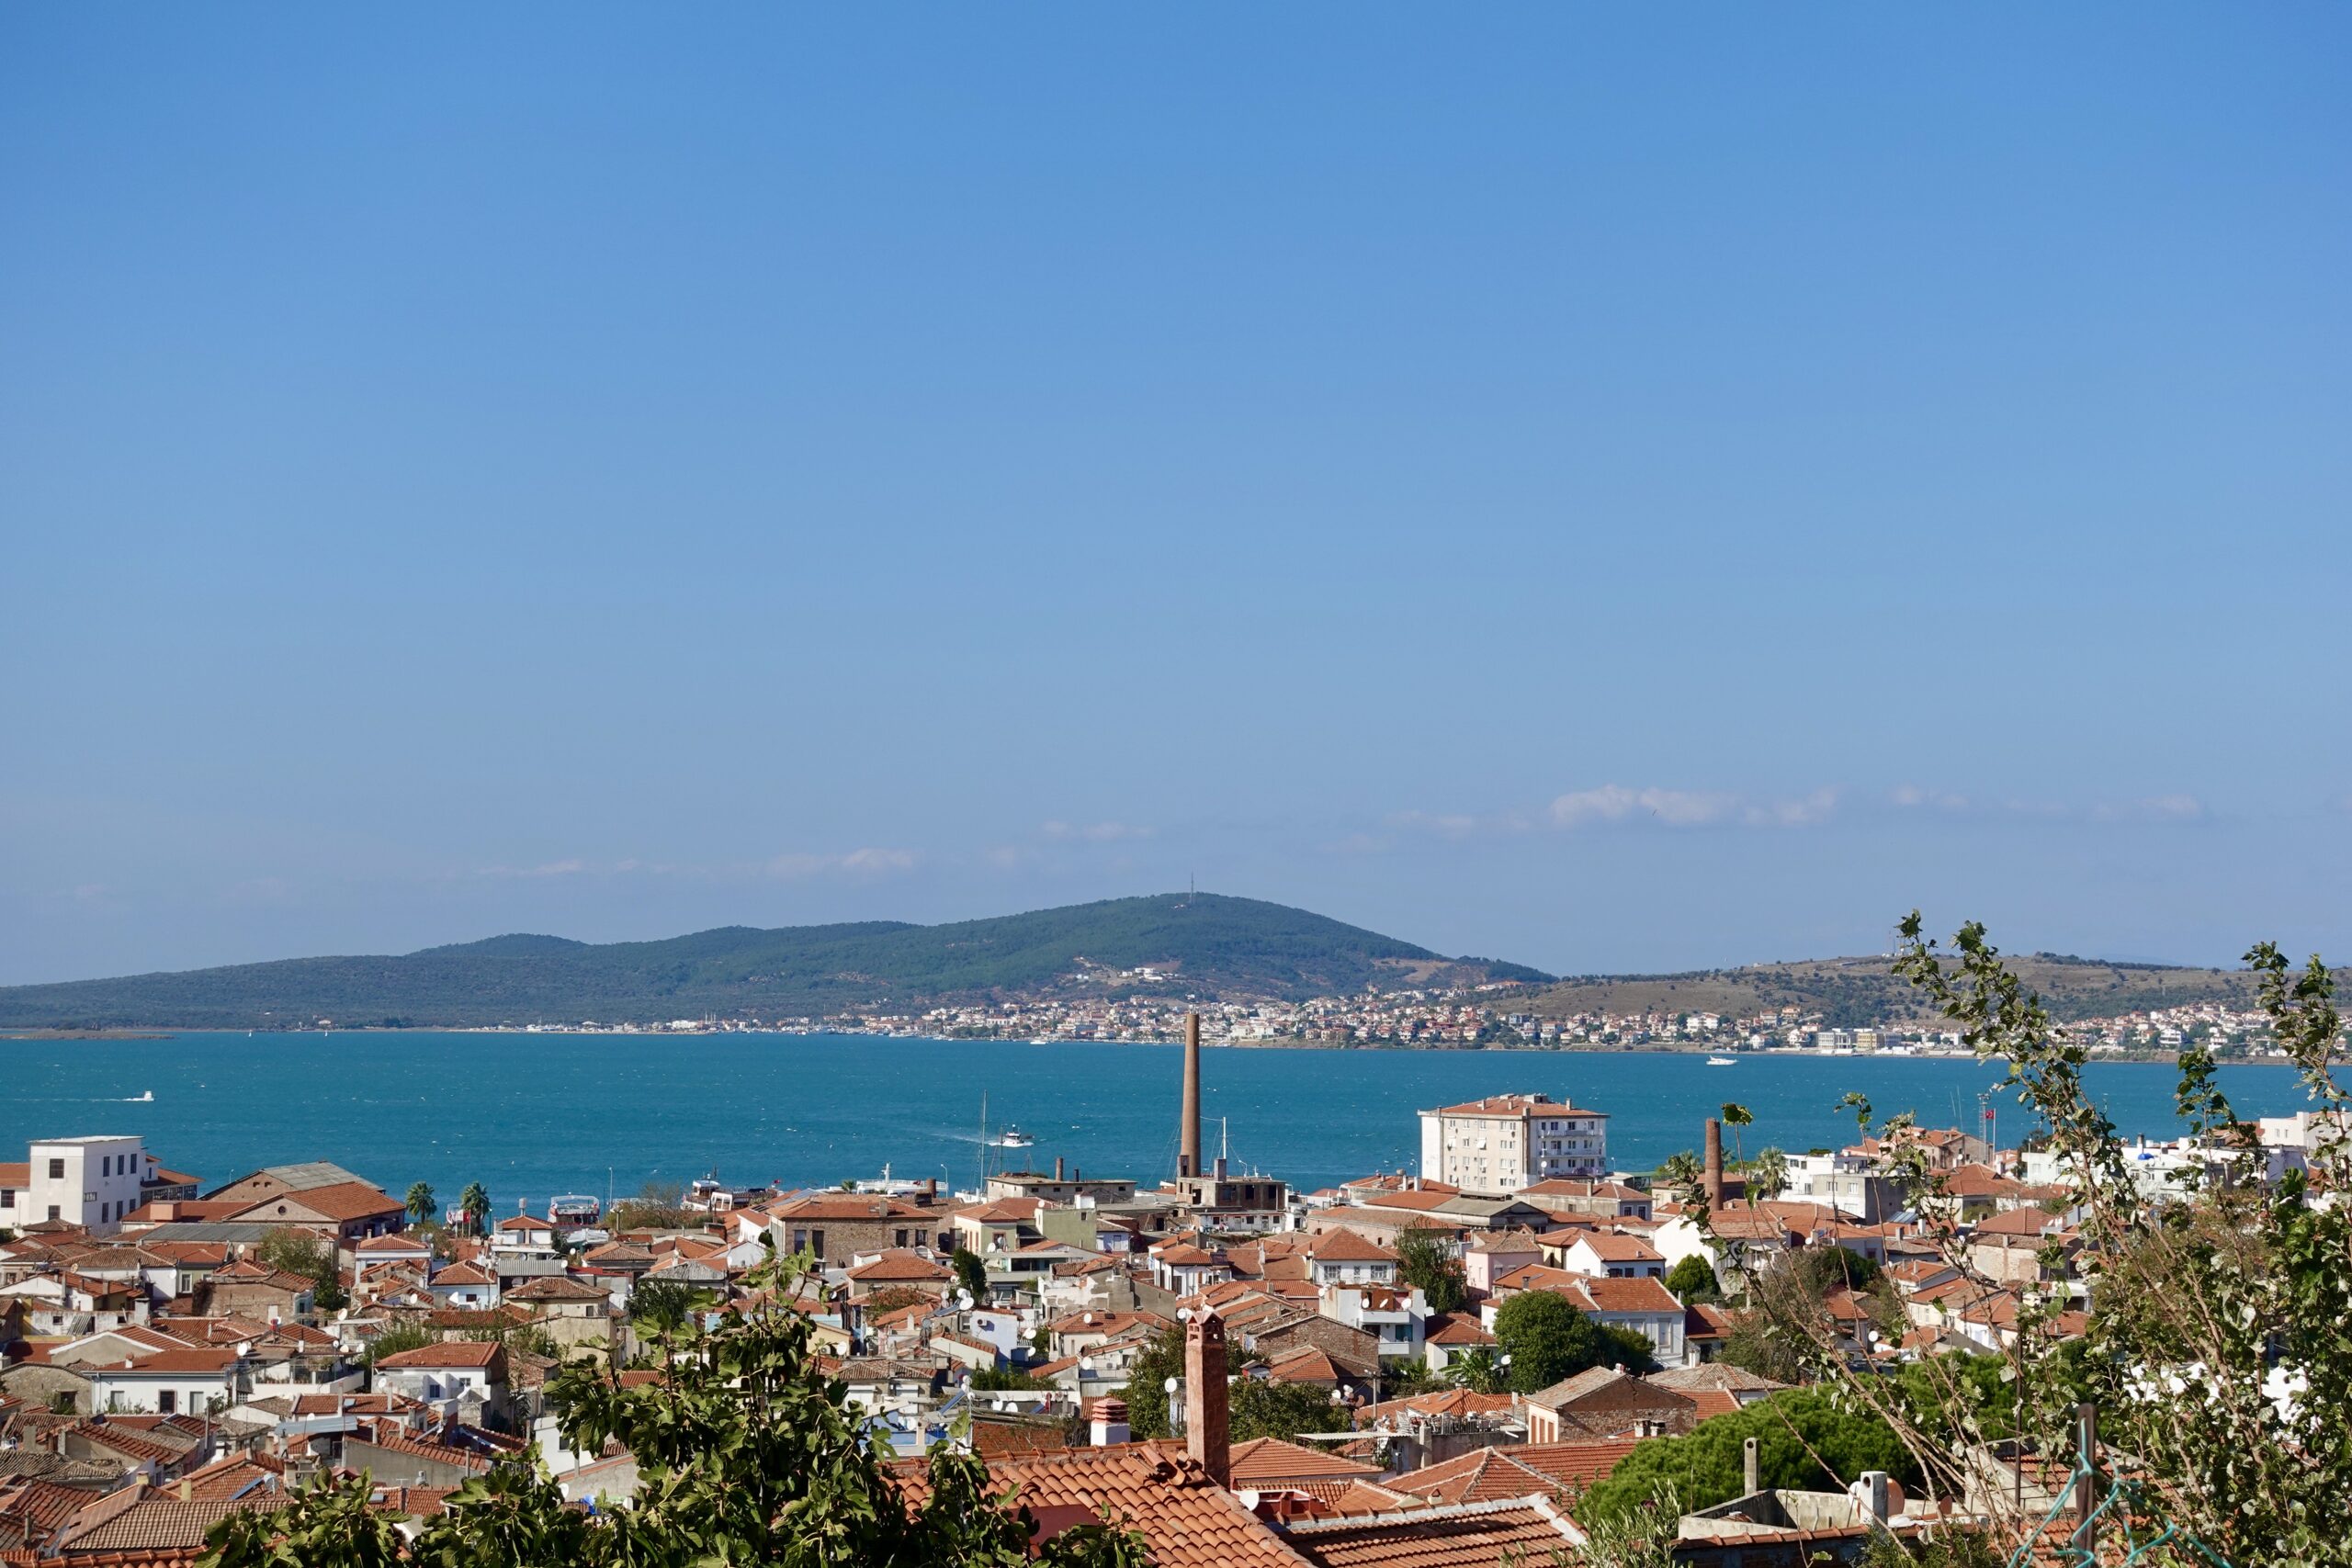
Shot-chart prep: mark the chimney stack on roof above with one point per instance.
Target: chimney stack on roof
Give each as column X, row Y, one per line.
column 1714, row 1163
column 1208, row 1438
column 1058, row 1167
column 1751, row 1469
column 1188, row 1157
column 1109, row 1425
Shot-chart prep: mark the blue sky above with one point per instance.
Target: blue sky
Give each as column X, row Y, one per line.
column 1611, row 487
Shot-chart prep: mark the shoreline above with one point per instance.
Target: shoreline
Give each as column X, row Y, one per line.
column 170, row 1032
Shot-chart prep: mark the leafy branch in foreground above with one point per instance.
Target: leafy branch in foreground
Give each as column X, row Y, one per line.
column 2217, row 1339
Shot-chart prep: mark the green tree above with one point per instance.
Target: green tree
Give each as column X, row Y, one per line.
column 662, row 1306
column 1678, row 1175
column 1426, row 1263
column 993, row 1378
column 473, row 1207
column 1548, row 1338
column 400, row 1337
column 420, row 1204
column 971, row 1274
column 298, row 1252
column 1805, row 1442
column 1147, row 1390
column 1768, row 1177
column 1261, row 1408
column 1825, row 1269
column 1479, row 1370
column 1693, row 1278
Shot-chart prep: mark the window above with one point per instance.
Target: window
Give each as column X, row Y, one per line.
column 167, row 1400
column 52, row 1211
column 7, row 1197
column 817, row 1242
column 56, row 1173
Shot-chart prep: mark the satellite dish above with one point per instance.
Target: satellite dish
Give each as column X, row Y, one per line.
column 1170, row 1386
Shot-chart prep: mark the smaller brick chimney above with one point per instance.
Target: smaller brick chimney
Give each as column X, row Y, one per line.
column 1109, row 1424
column 1714, row 1163
column 1208, row 1439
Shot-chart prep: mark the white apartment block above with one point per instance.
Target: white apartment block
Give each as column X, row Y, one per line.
column 92, row 1182
column 1506, row 1142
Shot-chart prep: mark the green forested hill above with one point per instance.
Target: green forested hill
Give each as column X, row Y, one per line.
column 1215, row 946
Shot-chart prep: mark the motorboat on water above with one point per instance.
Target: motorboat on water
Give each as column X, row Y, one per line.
column 1015, row 1138
column 1723, row 1061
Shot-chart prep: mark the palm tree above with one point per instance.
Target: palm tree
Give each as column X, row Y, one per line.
column 1479, row 1370
column 1681, row 1174
column 421, row 1206
column 1769, row 1177
column 474, row 1203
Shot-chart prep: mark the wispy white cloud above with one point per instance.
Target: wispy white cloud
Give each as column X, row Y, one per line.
column 552, row 868
column 1688, row 808
column 869, row 862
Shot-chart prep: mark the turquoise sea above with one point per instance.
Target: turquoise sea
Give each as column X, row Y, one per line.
column 528, row 1115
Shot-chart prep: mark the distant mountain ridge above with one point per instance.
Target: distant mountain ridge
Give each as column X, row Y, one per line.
column 1207, row 944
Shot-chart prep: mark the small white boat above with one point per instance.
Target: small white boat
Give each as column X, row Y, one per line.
column 1015, row 1138
column 1723, row 1061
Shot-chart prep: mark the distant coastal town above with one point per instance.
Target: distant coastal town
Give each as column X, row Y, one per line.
column 1481, row 1017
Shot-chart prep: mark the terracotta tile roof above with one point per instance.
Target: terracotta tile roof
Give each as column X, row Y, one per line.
column 406, row 1246
column 157, row 1521
column 996, row 1438
column 451, row 1353
column 1643, row 1295
column 1344, row 1246
column 465, row 1458
column 1704, row 1320
column 1714, row 1375
column 1519, row 1470
column 1305, row 1364
column 1351, row 1498
column 1186, row 1520
column 336, row 1201
column 232, row 1477
column 1270, row 1462
column 1470, row 1535
column 1612, row 1247
column 41, row 1505
column 415, row 1502
column 1517, row 1239
column 901, row 1264
column 1457, row 1328
column 1563, row 1187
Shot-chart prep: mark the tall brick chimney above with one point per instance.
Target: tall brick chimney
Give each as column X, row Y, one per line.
column 1208, row 1438
column 1714, row 1163
column 1188, row 1156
